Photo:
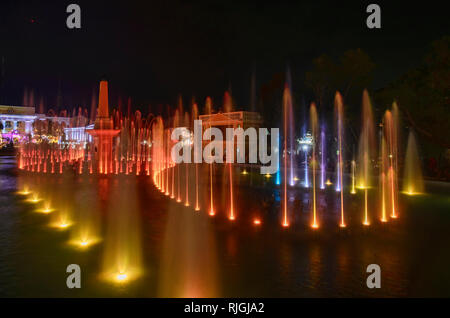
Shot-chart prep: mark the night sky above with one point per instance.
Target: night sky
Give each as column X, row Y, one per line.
column 155, row 50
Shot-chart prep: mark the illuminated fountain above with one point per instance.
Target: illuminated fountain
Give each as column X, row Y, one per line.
column 366, row 152
column 197, row 203
column 208, row 110
column 143, row 148
column 306, row 182
column 186, row 165
column 382, row 179
column 289, row 126
column 278, row 174
column 323, row 166
column 314, row 128
column 287, row 105
column 353, row 190
column 391, row 138
column 87, row 225
column 339, row 114
column 122, row 258
column 412, row 177
column 232, row 212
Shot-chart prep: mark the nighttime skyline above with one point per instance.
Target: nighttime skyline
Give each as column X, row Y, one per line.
column 224, row 149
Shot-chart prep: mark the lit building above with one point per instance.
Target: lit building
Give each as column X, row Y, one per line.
column 78, row 134
column 16, row 121
column 238, row 119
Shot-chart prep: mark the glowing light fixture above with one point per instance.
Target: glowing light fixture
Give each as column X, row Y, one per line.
column 121, row 277
column 34, row 199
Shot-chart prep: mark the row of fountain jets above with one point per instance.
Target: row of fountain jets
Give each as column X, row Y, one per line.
column 143, row 148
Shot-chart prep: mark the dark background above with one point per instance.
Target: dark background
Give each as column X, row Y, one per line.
column 152, row 51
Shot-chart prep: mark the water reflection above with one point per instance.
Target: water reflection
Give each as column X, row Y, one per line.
column 182, row 252
column 122, row 258
column 188, row 262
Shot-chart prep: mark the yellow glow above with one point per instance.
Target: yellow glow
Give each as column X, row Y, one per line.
column 285, row 224
column 342, row 225
column 315, row 226
column 232, row 218
column 212, row 213
column 62, row 223
column 328, row 183
column 256, row 221
column 45, row 210
column 295, row 179
column 83, row 243
column 366, row 213
column 411, row 193
column 121, row 277
column 244, row 172
column 267, row 175
column 24, row 192
column 34, row 199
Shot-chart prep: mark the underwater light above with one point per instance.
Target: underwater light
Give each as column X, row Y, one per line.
column 47, row 210
column 35, row 199
column 121, row 277
column 411, row 192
